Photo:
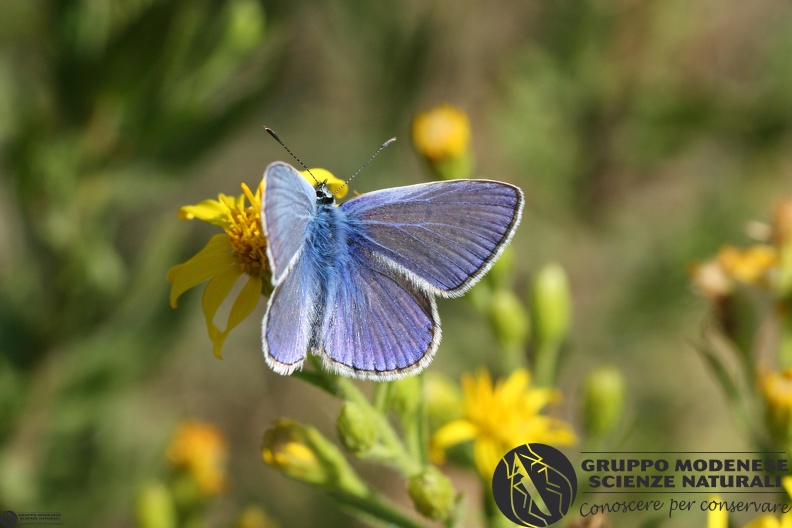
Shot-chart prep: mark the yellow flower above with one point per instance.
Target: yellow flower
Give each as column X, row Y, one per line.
column 500, row 417
column 241, row 250
column 720, row 519
column 200, row 448
column 441, row 132
column 710, row 279
column 748, row 265
column 776, row 388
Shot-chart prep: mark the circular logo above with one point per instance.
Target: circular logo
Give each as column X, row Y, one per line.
column 534, row 485
column 8, row 519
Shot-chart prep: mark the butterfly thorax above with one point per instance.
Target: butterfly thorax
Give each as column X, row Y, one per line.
column 323, row 194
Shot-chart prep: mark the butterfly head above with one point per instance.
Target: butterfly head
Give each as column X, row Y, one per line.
column 324, row 195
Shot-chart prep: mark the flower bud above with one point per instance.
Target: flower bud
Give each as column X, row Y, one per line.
column 509, row 318
column 603, row 400
column 303, row 453
column 358, row 434
column 552, row 305
column 432, row 493
column 155, row 507
column 404, row 395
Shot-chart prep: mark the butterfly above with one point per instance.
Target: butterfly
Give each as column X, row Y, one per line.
column 356, row 283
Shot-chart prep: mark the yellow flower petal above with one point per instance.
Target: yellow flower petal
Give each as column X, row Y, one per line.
column 718, row 518
column 454, row 433
column 515, row 386
column 245, row 303
column 766, row 521
column 538, row 399
column 214, row 257
column 214, row 295
column 487, row 454
column 212, row 211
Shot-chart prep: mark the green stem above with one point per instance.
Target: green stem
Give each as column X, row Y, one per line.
column 416, row 427
column 381, row 392
column 546, row 361
column 372, row 505
column 784, row 311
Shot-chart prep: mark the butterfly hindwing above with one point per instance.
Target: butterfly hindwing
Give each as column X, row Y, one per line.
column 292, row 312
column 445, row 234
column 289, row 206
column 381, row 326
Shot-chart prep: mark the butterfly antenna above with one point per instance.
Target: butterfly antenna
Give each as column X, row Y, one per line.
column 382, row 147
column 282, row 144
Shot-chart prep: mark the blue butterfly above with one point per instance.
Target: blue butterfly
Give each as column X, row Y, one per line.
column 356, row 283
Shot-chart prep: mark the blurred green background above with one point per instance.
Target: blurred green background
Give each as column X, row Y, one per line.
column 644, row 134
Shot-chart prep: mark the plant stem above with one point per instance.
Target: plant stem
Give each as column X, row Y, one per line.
column 372, row 505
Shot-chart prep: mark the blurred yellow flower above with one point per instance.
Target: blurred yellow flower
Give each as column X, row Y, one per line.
column 241, row 250
column 200, row 448
column 748, row 265
column 710, row 279
column 255, row 517
column 720, row 519
column 500, row 417
column 441, row 132
column 776, row 387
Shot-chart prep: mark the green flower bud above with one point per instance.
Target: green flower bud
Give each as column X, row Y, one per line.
column 155, row 507
column 552, row 305
column 404, row 395
column 509, row 318
column 358, row 434
column 303, row 453
column 245, row 25
column 501, row 273
column 432, row 493
column 603, row 400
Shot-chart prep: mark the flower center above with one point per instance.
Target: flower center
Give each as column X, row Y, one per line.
column 248, row 241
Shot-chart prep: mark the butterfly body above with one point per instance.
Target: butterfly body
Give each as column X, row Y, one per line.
column 356, row 283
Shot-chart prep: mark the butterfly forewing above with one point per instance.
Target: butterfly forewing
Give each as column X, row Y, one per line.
column 446, row 234
column 289, row 206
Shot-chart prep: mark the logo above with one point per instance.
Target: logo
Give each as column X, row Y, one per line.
column 534, row 485
column 8, row 519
